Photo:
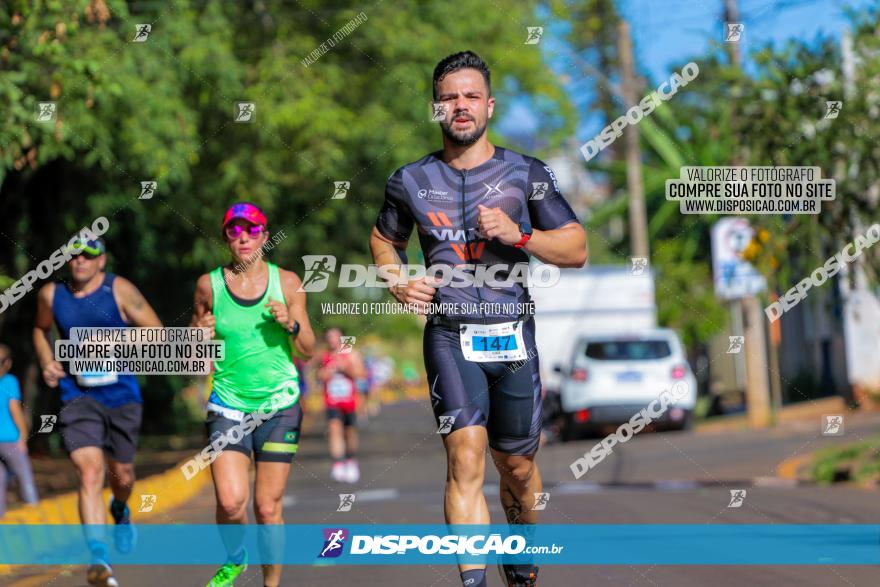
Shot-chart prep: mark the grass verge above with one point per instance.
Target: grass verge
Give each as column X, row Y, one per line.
column 858, row 462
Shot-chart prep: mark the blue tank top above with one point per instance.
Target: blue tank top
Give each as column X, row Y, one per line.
column 96, row 310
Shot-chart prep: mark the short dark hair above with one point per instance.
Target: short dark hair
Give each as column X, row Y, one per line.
column 458, row 61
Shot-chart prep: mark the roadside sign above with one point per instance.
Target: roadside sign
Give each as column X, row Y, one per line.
column 734, row 277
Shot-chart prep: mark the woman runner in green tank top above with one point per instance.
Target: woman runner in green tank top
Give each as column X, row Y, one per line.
column 236, row 383
column 255, row 308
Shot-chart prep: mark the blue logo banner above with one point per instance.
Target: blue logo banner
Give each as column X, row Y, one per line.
column 569, row 544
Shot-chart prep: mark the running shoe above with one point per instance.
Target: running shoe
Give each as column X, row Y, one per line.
column 228, row 573
column 339, row 472
column 352, row 471
column 125, row 534
column 519, row 575
column 101, row 575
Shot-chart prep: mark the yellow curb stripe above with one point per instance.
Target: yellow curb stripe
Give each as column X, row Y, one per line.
column 788, row 469
column 34, row 581
column 170, row 487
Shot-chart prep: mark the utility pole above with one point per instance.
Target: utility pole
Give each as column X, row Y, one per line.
column 731, row 14
column 850, row 291
column 638, row 217
column 748, row 319
column 757, row 388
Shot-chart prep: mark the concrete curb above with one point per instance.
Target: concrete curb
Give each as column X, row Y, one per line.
column 170, row 487
column 791, row 467
column 793, row 413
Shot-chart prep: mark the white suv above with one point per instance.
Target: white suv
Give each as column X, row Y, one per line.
column 611, row 377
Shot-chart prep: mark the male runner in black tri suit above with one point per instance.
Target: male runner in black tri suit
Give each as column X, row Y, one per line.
column 477, row 204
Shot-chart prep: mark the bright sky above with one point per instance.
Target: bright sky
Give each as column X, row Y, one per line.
column 668, row 32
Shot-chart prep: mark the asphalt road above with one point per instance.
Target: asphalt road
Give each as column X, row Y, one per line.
column 656, row 478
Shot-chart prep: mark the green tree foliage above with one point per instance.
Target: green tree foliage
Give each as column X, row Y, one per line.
column 673, row 136
column 163, row 109
column 773, row 114
column 591, row 34
column 786, row 106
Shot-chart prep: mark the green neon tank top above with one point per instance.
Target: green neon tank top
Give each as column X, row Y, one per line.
column 257, row 361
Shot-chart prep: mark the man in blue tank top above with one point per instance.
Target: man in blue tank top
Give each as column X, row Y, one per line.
column 101, row 412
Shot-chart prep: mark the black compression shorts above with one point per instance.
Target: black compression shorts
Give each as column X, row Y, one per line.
column 276, row 440
column 505, row 397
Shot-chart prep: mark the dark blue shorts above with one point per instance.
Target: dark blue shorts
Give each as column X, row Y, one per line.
column 347, row 418
column 505, row 397
column 275, row 440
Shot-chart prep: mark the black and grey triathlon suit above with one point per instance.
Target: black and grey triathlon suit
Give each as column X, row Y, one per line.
column 441, row 202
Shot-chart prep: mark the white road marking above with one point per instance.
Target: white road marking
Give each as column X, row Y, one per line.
column 577, row 488
column 377, row 495
column 675, row 485
column 774, row 482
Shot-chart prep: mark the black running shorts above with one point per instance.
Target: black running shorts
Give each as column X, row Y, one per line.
column 84, row 421
column 347, row 418
column 505, row 397
column 275, row 440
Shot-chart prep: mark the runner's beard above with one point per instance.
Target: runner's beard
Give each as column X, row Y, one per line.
column 463, row 139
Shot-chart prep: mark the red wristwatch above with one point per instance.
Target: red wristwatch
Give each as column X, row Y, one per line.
column 525, row 229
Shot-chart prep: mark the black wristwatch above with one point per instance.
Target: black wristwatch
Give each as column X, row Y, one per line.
column 293, row 330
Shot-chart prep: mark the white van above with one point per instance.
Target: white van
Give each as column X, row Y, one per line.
column 596, row 298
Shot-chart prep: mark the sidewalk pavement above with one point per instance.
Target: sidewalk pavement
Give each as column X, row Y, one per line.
column 792, row 413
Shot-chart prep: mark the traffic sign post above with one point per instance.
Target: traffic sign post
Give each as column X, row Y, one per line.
column 734, row 277
column 738, row 282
